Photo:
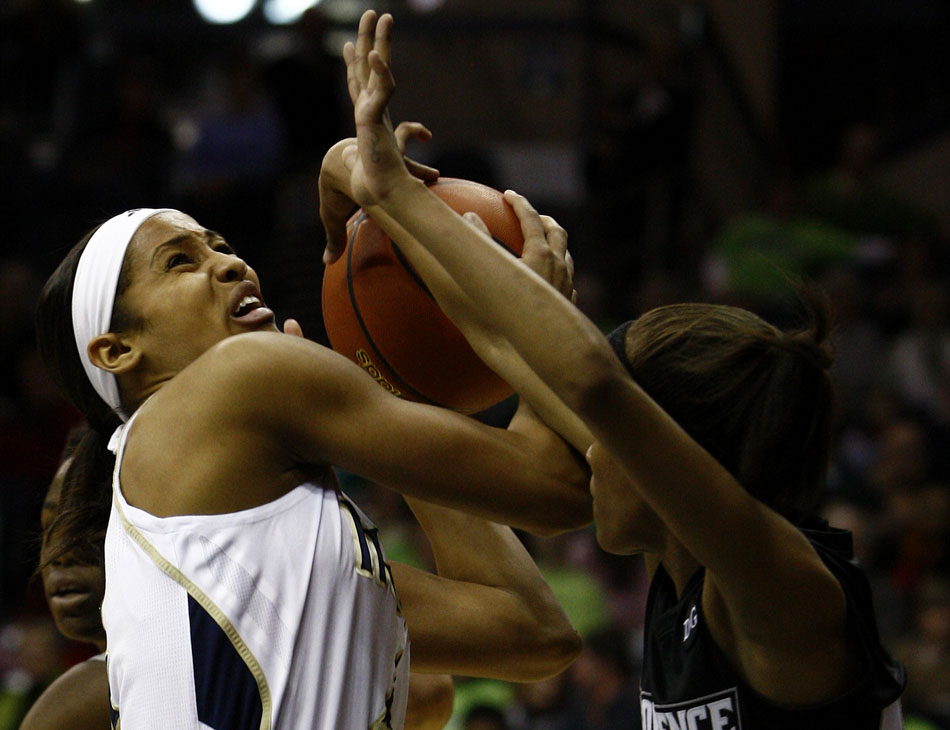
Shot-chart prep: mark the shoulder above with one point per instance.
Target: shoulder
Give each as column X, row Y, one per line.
column 77, row 699
column 264, row 375
column 270, row 363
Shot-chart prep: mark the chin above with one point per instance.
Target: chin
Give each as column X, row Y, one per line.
column 616, row 543
column 87, row 630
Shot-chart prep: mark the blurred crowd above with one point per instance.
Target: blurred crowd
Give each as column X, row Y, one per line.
column 97, row 127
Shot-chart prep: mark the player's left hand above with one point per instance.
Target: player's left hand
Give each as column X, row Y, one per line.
column 376, row 165
column 336, row 199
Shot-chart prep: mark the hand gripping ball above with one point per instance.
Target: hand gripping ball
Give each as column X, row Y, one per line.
column 379, row 313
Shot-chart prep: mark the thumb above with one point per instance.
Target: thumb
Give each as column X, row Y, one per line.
column 475, row 220
column 292, row 327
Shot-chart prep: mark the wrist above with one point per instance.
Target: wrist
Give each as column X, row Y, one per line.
column 404, row 192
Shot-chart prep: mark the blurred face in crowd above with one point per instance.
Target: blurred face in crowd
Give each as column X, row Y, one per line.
column 74, row 588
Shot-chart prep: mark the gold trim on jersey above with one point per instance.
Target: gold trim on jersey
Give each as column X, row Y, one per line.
column 208, row 605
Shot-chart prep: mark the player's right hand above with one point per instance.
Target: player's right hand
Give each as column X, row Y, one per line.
column 545, row 244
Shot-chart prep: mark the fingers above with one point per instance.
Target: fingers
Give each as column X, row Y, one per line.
column 423, row 172
column 476, row 220
column 292, row 327
column 556, row 236
column 367, row 61
column 336, row 240
column 411, row 130
column 531, row 227
column 365, row 38
column 381, row 41
column 545, row 245
column 414, row 130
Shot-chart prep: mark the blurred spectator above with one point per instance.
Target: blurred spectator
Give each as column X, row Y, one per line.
column 925, row 651
column 851, row 195
column 608, row 683
column 485, row 717
column 123, row 158
column 306, row 83
column 229, row 170
column 859, row 340
column 919, row 360
column 552, row 704
column 757, row 257
column 30, row 658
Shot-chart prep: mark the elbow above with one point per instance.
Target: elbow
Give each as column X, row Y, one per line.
column 550, row 656
column 431, row 700
column 553, row 642
column 563, row 651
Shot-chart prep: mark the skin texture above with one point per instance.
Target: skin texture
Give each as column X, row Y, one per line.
column 655, row 489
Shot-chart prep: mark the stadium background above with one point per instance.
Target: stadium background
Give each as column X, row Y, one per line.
column 692, row 149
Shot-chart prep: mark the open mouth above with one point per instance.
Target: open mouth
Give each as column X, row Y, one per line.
column 247, row 305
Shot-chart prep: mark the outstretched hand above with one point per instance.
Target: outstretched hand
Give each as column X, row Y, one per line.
column 376, row 163
column 362, row 171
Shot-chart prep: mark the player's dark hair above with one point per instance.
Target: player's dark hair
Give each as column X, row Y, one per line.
column 84, row 500
column 759, row 399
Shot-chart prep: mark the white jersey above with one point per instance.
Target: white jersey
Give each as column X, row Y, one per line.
column 282, row 616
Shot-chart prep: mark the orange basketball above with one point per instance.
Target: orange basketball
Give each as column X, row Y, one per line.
column 378, row 312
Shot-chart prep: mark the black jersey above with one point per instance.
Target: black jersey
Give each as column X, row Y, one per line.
column 688, row 683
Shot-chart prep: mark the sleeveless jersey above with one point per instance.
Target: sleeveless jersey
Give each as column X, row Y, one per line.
column 687, row 682
column 279, row 617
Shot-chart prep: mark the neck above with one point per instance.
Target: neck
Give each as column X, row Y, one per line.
column 135, row 390
column 676, row 560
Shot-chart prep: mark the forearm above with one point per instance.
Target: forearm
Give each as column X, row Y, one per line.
column 519, row 304
column 488, row 613
column 476, row 550
column 495, row 350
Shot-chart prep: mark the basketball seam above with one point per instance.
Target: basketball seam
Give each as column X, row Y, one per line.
column 359, row 318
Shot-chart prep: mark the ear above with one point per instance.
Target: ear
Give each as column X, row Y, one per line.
column 110, row 353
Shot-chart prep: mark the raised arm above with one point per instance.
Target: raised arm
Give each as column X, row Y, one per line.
column 728, row 531
column 545, row 252
column 305, row 405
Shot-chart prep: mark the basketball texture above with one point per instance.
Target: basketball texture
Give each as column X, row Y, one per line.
column 379, row 313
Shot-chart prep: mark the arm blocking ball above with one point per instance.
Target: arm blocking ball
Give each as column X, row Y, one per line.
column 379, row 313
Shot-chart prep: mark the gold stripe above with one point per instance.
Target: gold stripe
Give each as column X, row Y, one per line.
column 216, row 613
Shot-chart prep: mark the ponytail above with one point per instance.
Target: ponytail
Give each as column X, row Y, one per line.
column 86, row 494
column 759, row 399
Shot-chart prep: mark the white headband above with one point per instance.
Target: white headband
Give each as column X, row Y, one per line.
column 97, row 277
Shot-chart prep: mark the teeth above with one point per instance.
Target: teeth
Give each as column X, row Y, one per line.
column 248, row 302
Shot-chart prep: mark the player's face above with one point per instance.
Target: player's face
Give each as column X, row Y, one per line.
column 73, row 590
column 190, row 290
column 624, row 522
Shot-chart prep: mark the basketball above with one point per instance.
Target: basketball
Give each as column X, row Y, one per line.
column 379, row 313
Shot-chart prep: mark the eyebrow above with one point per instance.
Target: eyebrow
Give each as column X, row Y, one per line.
column 208, row 235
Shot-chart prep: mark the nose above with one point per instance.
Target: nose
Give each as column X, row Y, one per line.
column 229, row 267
